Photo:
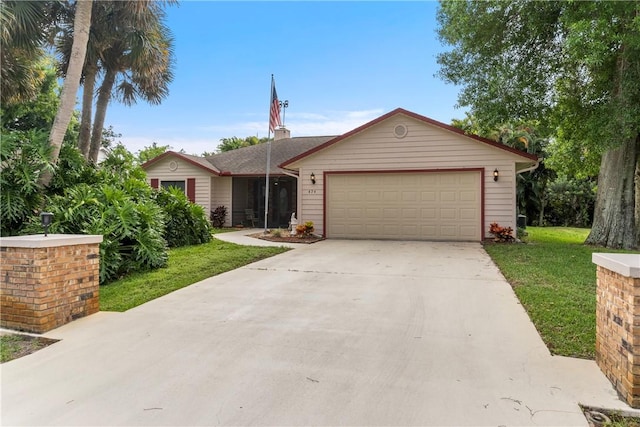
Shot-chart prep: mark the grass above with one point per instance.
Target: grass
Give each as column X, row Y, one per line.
column 13, row 346
column 187, row 265
column 555, row 280
column 217, row 230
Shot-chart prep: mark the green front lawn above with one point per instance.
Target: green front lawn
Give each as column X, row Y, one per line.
column 187, row 265
column 555, row 280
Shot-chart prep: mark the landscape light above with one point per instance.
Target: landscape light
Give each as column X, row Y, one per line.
column 46, row 218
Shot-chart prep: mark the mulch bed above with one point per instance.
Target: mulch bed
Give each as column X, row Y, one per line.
column 286, row 238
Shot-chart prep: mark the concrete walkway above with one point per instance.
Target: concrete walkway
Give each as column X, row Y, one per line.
column 333, row 333
column 242, row 237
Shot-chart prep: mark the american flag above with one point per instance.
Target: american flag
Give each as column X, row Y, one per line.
column 274, row 113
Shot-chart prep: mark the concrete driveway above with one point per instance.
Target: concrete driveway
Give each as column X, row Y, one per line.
column 334, row 333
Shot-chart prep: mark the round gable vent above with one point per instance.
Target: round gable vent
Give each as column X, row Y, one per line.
column 173, row 165
column 400, row 131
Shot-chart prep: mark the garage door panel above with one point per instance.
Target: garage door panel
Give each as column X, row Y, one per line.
column 449, row 179
column 390, row 213
column 355, row 229
column 467, row 179
column 372, row 196
column 434, row 205
column 429, row 180
column 409, row 229
column 448, row 214
column 355, row 212
column 339, row 196
column 428, row 196
column 468, row 231
column 389, row 196
column 373, row 213
column 410, row 213
column 448, row 196
column 338, row 213
column 468, row 196
column 428, row 213
column 354, row 196
column 468, row 214
column 409, row 196
column 411, row 180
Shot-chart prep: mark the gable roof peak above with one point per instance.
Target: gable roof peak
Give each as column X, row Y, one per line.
column 420, row 118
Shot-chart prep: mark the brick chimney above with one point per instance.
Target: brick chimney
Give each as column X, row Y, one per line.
column 281, row 133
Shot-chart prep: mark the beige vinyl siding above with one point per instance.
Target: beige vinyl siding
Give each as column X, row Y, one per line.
column 425, row 147
column 162, row 171
column 221, row 189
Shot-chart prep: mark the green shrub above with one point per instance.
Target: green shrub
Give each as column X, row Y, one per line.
column 571, row 202
column 23, row 155
column 113, row 200
column 132, row 229
column 187, row 222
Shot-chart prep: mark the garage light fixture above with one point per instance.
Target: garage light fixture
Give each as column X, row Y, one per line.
column 313, row 178
column 496, row 174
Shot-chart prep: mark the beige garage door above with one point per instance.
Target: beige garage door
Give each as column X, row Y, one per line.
column 418, row 206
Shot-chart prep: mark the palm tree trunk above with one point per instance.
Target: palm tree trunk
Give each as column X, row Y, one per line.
column 84, row 137
column 616, row 223
column 104, row 96
column 81, row 27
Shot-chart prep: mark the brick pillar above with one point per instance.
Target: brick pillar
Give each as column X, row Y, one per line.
column 48, row 281
column 618, row 322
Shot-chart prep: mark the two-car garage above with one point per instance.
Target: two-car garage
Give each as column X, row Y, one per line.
column 407, row 205
column 404, row 176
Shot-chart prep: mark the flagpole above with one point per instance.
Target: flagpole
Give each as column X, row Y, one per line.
column 266, row 191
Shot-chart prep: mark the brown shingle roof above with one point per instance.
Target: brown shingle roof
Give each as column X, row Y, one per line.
column 252, row 160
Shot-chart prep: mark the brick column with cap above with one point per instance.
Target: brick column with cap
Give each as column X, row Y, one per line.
column 49, row 281
column 618, row 322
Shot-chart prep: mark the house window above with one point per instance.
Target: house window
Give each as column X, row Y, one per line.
column 189, row 188
column 177, row 184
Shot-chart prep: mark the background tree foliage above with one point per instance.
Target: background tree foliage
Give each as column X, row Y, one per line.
column 233, row 143
column 542, row 195
column 112, row 199
column 573, row 67
column 150, row 152
column 129, row 58
column 24, row 29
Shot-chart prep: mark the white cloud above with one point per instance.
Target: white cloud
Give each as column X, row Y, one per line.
column 367, row 114
column 307, row 116
column 331, row 122
column 207, row 138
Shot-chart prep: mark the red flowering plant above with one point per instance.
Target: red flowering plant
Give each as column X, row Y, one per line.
column 501, row 234
column 305, row 230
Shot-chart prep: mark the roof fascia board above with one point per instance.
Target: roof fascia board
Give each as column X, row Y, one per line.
column 182, row 157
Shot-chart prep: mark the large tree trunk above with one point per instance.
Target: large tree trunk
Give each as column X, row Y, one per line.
column 81, row 27
column 104, row 96
column 616, row 219
column 84, row 138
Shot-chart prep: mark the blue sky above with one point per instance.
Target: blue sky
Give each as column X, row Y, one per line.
column 339, row 64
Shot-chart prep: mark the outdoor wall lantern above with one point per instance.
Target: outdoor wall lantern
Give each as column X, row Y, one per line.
column 313, row 178
column 496, row 174
column 45, row 219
